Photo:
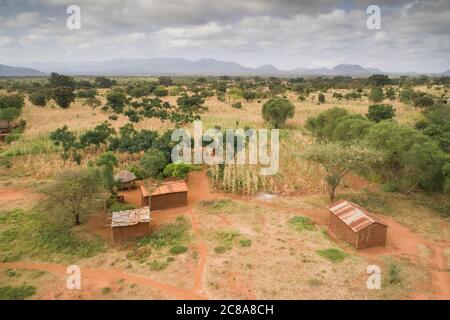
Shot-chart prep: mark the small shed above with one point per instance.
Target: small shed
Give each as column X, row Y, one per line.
column 126, row 179
column 172, row 194
column 355, row 225
column 130, row 224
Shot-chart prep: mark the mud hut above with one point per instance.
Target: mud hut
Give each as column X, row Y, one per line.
column 5, row 129
column 355, row 225
column 172, row 194
column 130, row 224
column 126, row 180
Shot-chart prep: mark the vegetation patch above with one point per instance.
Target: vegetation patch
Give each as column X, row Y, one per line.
column 301, row 223
column 31, row 234
column 16, row 293
column 332, row 254
column 170, row 234
column 178, row 249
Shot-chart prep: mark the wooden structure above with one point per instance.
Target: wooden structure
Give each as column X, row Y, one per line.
column 355, row 225
column 130, row 224
column 5, row 129
column 172, row 194
column 126, row 179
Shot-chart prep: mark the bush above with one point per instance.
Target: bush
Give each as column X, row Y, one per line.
column 178, row 249
column 394, row 274
column 38, row 98
column 16, row 293
column 379, row 112
column 117, row 206
column 277, row 111
column 376, row 94
column 220, row 250
column 334, row 255
column 245, row 243
column 177, row 170
column 157, row 265
column 153, row 162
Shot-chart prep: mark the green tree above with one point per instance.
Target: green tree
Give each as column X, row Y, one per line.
column 379, row 112
column 63, row 96
column 38, row 98
column 339, row 160
column 376, row 94
column 321, row 98
column 108, row 161
column 323, row 126
column 161, row 91
column 75, row 192
column 116, row 100
column 411, row 158
column 423, row 102
column 153, row 162
column 277, row 110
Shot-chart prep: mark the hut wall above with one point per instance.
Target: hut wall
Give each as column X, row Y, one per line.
column 168, row 200
column 343, row 231
column 372, row 236
column 130, row 232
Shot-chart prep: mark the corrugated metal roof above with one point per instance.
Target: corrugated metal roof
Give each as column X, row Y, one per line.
column 170, row 187
column 130, row 217
column 144, row 191
column 352, row 215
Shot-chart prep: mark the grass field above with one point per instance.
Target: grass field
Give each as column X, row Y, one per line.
column 227, row 247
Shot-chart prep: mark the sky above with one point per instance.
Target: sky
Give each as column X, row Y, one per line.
column 414, row 34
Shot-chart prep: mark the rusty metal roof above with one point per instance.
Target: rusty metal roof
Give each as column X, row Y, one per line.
column 130, row 217
column 353, row 215
column 170, row 187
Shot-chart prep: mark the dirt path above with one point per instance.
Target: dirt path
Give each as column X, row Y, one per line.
column 400, row 242
column 199, row 189
column 108, row 275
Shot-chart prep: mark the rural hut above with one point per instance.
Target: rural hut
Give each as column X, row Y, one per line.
column 5, row 128
column 172, row 194
column 126, row 179
column 130, row 224
column 356, row 226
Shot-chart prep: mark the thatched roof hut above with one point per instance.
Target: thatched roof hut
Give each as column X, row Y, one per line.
column 125, row 176
column 126, row 179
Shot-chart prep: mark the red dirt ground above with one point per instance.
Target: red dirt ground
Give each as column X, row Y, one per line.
column 401, row 241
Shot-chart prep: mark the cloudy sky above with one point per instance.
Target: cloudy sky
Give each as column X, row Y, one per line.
column 414, row 35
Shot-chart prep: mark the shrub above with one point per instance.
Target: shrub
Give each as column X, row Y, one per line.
column 38, row 98
column 394, row 274
column 220, row 250
column 321, row 98
column 177, row 170
column 157, row 265
column 334, row 255
column 16, row 293
column 376, row 94
column 106, row 290
column 178, row 249
column 117, row 206
column 153, row 162
column 277, row 111
column 379, row 112
column 245, row 243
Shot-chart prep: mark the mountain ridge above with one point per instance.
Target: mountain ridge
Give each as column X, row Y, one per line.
column 204, row 66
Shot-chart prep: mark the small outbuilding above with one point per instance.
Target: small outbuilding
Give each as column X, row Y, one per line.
column 126, row 180
column 172, row 194
column 130, row 224
column 355, row 225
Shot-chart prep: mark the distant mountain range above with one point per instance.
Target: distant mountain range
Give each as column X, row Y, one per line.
column 170, row 66
column 8, row 71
